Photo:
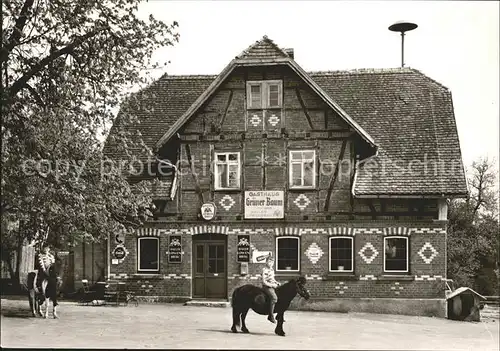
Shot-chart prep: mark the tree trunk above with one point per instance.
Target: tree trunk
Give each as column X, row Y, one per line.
column 15, row 277
column 8, row 260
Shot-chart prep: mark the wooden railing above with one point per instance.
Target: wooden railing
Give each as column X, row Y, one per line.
column 492, row 300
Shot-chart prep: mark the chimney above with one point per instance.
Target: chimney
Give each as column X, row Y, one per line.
column 289, row 52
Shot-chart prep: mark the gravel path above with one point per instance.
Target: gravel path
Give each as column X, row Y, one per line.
column 175, row 326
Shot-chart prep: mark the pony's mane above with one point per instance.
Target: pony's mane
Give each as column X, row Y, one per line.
column 293, row 281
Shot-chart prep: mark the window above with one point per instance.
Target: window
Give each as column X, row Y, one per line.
column 216, row 259
column 341, row 257
column 255, row 96
column 274, row 95
column 264, row 94
column 395, row 254
column 227, row 170
column 302, row 169
column 287, row 254
column 148, row 255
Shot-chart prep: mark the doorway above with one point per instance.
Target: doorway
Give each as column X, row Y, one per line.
column 210, row 266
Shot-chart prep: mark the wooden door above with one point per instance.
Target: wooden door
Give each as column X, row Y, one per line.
column 210, row 269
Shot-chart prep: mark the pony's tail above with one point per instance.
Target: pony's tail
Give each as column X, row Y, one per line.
column 236, row 312
column 233, row 297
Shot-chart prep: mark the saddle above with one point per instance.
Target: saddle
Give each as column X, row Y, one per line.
column 263, row 297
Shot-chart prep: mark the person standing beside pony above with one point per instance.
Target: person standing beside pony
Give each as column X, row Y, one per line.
column 269, row 284
column 46, row 280
column 43, row 263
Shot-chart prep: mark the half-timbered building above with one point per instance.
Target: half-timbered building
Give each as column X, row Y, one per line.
column 344, row 176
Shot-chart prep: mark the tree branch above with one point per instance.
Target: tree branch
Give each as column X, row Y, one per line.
column 125, row 221
column 36, row 96
column 21, row 82
column 480, row 191
column 17, row 31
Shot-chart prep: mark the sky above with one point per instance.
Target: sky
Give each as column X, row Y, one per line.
column 456, row 44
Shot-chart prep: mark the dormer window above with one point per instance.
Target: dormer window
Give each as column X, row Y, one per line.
column 265, row 94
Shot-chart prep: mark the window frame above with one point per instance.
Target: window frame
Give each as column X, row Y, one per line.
column 290, row 170
column 265, row 94
column 407, row 254
column 330, row 254
column 152, row 271
column 298, row 254
column 217, row 186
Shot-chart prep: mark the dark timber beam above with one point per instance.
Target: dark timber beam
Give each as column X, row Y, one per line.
column 372, row 209
column 193, row 173
column 229, row 100
column 297, row 91
column 335, row 175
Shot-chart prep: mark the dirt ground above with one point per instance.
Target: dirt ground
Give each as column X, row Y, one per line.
column 176, row 326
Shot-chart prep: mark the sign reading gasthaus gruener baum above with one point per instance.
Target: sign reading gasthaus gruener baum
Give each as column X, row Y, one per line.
column 264, row 204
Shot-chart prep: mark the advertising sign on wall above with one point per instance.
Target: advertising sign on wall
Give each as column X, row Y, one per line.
column 260, row 256
column 266, row 204
column 208, row 211
column 314, row 253
column 174, row 249
column 243, row 248
column 119, row 254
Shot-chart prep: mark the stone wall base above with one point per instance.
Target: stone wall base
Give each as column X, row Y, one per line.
column 163, row 299
column 411, row 307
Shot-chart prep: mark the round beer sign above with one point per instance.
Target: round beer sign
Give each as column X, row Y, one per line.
column 119, row 252
column 208, row 211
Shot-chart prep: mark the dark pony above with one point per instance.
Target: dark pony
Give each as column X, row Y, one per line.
column 251, row 296
column 48, row 291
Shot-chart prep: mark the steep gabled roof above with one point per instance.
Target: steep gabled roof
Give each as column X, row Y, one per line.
column 412, row 120
column 407, row 114
column 265, row 48
column 263, row 52
column 158, row 107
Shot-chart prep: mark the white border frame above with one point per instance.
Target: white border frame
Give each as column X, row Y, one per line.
column 216, row 172
column 407, row 253
column 298, row 254
column 264, row 93
column 290, row 185
column 139, row 270
column 330, row 253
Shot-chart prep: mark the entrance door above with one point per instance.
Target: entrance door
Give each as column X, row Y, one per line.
column 209, row 269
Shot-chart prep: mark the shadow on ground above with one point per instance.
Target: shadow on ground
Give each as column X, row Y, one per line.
column 16, row 313
column 228, row 331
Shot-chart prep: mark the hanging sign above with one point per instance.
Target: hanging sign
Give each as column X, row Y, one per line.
column 208, row 211
column 243, row 248
column 264, row 204
column 174, row 249
column 120, row 238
